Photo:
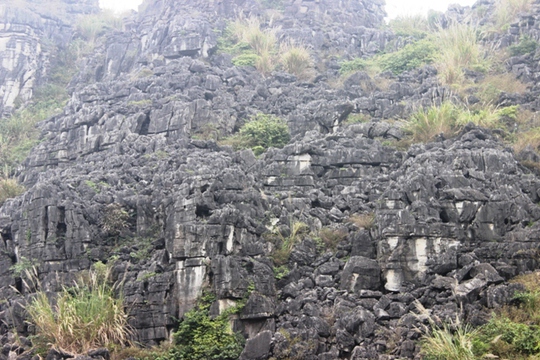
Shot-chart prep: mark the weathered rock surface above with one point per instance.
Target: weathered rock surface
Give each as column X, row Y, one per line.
column 452, row 220
column 31, row 33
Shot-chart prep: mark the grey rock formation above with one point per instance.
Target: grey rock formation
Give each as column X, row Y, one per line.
column 452, row 220
column 32, row 32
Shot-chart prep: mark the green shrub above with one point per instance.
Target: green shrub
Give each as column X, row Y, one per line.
column 508, row 337
column 246, row 59
column 354, row 65
column 260, row 133
column 115, row 219
column 526, row 45
column 21, row 266
column 85, row 316
column 410, row 57
column 201, row 337
column 280, row 272
column 18, row 133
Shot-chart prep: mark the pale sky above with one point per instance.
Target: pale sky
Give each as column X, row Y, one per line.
column 393, row 7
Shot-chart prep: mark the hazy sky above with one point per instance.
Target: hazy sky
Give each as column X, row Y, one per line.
column 393, row 7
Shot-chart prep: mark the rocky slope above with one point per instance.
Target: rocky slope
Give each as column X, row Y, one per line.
column 452, row 220
column 31, row 34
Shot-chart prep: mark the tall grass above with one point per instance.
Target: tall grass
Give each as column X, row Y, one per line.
column 448, row 119
column 416, row 25
column 507, row 11
column 249, row 31
column 449, row 343
column 295, row 59
column 459, row 49
column 425, row 124
column 87, row 315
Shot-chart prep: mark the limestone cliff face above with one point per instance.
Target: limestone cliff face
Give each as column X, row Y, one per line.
column 451, row 219
column 29, row 31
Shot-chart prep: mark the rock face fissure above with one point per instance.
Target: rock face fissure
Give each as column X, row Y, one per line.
column 445, row 223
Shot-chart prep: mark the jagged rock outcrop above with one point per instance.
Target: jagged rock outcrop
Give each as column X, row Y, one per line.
column 31, row 33
column 444, row 224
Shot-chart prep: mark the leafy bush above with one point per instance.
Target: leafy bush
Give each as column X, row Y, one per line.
column 526, row 45
column 246, row 59
column 115, row 219
column 201, row 337
column 409, row 57
column 21, row 266
column 260, row 133
column 85, row 316
column 353, row 65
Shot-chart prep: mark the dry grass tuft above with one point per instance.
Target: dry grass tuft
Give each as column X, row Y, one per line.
column 507, row 11
column 363, row 221
column 295, row 59
column 493, row 85
column 9, row 188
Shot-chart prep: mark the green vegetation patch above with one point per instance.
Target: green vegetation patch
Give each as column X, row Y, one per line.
column 526, row 45
column 260, row 133
column 202, row 337
column 411, row 56
column 513, row 332
column 448, row 119
column 87, row 315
